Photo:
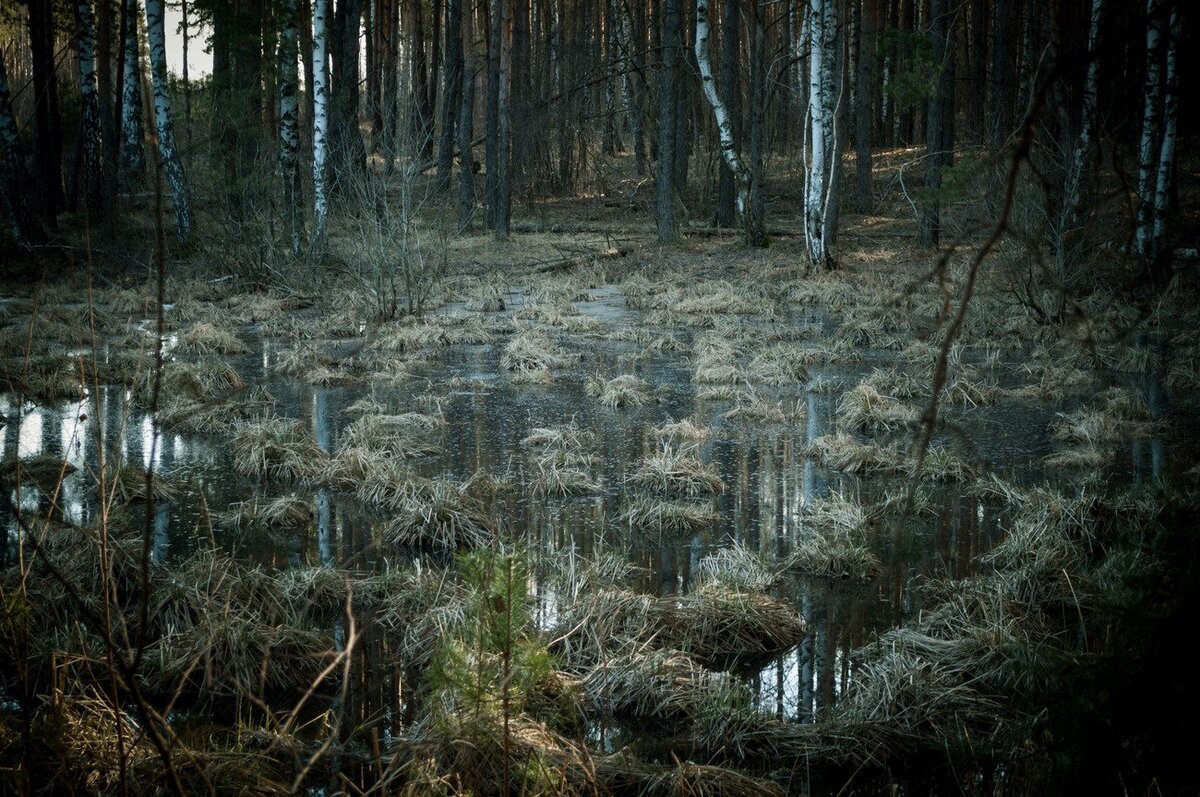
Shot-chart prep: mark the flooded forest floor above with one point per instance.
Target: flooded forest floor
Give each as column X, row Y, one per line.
column 601, row 518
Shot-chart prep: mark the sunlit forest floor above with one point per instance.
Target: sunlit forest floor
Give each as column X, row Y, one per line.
column 599, row 516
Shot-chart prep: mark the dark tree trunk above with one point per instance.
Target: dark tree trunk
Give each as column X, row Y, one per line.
column 667, row 120
column 90, row 136
column 863, row 106
column 348, row 152
column 939, row 128
column 492, row 123
column 503, row 128
column 306, row 59
column 451, row 92
column 1001, row 99
column 731, row 95
column 466, row 118
column 48, row 143
column 637, row 112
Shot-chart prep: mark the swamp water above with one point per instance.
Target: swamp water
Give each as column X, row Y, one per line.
column 769, row 476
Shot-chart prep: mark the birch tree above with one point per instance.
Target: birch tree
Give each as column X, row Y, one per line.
column 751, row 221
column 1156, row 153
column 823, row 137
column 320, row 123
column 92, row 168
column 289, row 124
column 132, row 154
column 167, row 151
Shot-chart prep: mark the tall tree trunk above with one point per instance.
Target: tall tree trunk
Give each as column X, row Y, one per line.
column 306, row 58
column 104, row 93
column 132, row 152
column 418, row 122
column 731, row 97
column 23, row 225
column 346, row 147
column 939, row 127
column 390, row 83
column 667, row 127
column 978, row 59
column 1156, row 152
column 492, row 120
column 466, row 119
column 48, row 143
column 756, row 234
column 503, row 129
column 824, row 139
column 636, row 17
column 320, row 91
column 862, row 107
column 752, row 226
column 450, row 92
column 289, row 125
column 167, row 151
column 90, row 126
column 185, row 25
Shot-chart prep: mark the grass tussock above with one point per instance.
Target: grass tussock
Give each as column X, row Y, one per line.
column 669, row 516
column 685, row 431
column 277, row 448
column 658, row 686
column 625, row 390
column 739, row 568
column 534, row 351
column 434, row 514
column 284, row 512
column 842, row 452
column 676, row 470
column 864, row 408
column 561, row 464
column 205, row 338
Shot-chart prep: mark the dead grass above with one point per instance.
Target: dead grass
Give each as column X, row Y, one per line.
column 666, row 516
column 739, row 568
column 435, row 514
column 277, row 448
column 842, row 452
column 863, row 408
column 206, row 338
column 625, row 390
column 655, row 686
column 676, row 471
column 533, row 351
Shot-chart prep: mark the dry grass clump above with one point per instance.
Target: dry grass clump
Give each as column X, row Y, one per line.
column 866, row 409
column 831, row 552
column 716, row 362
column 940, row 465
column 487, row 296
column 684, row 431
column 721, row 626
column 737, row 567
column 835, row 511
column 128, row 483
column 402, row 436
column 668, row 516
column 284, row 512
column 420, row 610
column 779, row 364
column 563, row 467
column 319, row 592
column 677, row 470
column 533, row 351
column 277, row 448
column 653, row 686
column 599, row 622
column 43, row 471
column 206, row 338
column 434, row 514
column 751, row 407
column 625, row 390
column 842, row 452
column 723, row 298
column 969, row 388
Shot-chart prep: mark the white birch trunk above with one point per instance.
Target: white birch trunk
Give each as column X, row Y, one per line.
column 132, row 154
column 89, row 103
column 1166, row 154
column 168, row 152
column 1151, row 135
column 289, row 122
column 724, row 129
column 320, row 121
column 824, row 100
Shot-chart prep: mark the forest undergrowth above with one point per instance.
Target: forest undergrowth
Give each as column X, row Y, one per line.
column 418, row 655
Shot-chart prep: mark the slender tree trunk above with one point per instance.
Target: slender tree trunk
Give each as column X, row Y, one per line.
column 492, row 121
column 862, row 108
column 1157, row 149
column 289, row 125
column 939, row 127
column 731, row 97
column 132, row 152
column 22, row 223
column 636, row 18
column 306, row 58
column 390, row 83
column 48, row 143
column 824, row 96
column 503, row 122
column 667, row 127
column 104, row 86
column 466, row 119
column 450, row 92
column 90, row 126
column 320, row 124
column 756, row 234
column 345, row 142
column 185, row 25
column 168, row 153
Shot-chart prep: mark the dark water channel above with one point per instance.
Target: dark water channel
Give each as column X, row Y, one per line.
column 768, row 476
